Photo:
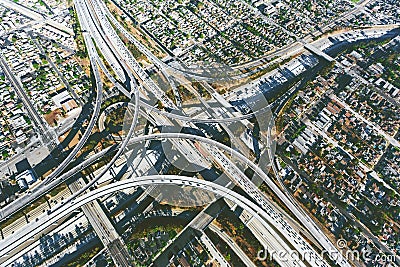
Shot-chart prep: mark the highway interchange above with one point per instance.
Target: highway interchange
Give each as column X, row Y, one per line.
column 32, row 232
column 98, row 32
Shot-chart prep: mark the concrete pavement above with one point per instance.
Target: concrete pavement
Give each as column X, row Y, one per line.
column 104, row 229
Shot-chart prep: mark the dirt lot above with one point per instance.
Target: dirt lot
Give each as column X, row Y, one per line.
column 52, row 117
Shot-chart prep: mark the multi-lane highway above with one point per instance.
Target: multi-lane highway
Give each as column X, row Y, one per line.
column 104, row 228
column 32, row 231
column 228, row 240
column 228, row 166
column 42, row 188
column 35, row 15
column 92, row 122
column 272, row 220
column 99, row 32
